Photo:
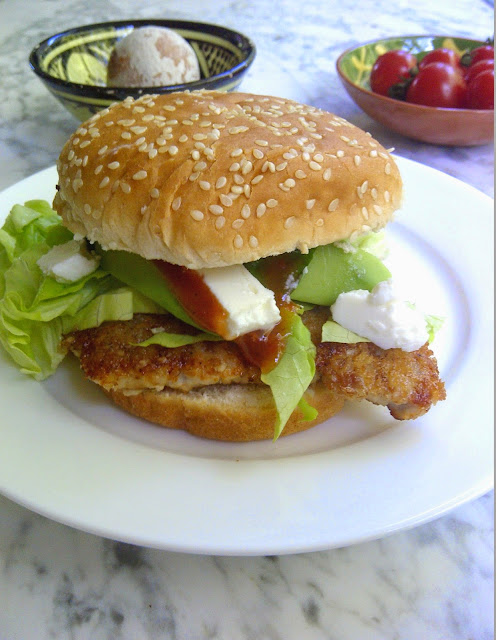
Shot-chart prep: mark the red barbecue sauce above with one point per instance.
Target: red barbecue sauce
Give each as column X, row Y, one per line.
column 263, row 349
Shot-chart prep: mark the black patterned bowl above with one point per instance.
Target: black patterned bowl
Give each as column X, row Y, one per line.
column 73, row 64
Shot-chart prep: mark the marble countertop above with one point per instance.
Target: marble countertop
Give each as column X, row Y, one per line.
column 432, row 582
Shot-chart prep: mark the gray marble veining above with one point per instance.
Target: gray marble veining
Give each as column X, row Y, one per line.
column 434, row 582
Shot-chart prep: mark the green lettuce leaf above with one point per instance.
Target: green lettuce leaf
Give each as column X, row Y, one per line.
column 173, row 340
column 35, row 310
column 334, row 332
column 292, row 375
column 434, row 323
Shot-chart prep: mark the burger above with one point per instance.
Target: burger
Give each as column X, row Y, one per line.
column 215, row 259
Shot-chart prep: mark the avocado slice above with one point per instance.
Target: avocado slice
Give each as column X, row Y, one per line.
column 332, row 271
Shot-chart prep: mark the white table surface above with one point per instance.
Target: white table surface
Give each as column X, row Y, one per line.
column 433, row 582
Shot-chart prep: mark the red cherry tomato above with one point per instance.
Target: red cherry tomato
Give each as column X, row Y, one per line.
column 486, row 52
column 448, row 56
column 438, row 85
column 478, row 67
column 390, row 68
column 480, row 92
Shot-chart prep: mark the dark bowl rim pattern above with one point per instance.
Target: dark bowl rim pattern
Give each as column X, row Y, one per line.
column 236, row 38
column 345, row 78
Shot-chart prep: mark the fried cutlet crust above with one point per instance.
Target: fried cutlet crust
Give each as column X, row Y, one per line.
column 407, row 383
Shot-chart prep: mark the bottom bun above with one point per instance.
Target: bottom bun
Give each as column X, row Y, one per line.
column 235, row 413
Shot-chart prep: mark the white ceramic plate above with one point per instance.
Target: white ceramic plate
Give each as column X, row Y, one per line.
column 70, row 455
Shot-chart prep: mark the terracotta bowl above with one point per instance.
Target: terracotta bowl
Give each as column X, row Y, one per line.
column 73, row 64
column 454, row 127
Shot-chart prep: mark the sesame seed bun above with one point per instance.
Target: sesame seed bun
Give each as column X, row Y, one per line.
column 210, row 179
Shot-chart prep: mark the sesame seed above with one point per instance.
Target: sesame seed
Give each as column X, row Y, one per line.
column 125, row 187
column 114, row 165
column 373, row 193
column 101, row 151
column 187, row 122
column 238, row 178
column 204, row 185
column 98, row 169
column 258, row 154
column 319, row 222
column 126, row 135
column 205, row 123
column 300, row 174
column 173, row 150
column 373, row 153
column 221, row 182
column 176, row 203
column 261, row 209
column 149, row 117
column 236, row 153
column 387, row 169
column 195, row 154
column 327, row 174
column 247, row 190
column 257, row 179
column 220, row 222
column 200, row 166
column 236, row 188
column 283, row 187
column 160, row 141
column 196, row 214
column 238, row 241
column 194, row 176
column 289, row 183
column 140, row 175
column 333, row 205
column 365, row 213
column 104, row 182
column 87, row 209
column 144, row 147
column 288, row 223
column 310, row 203
column 247, row 168
column 315, row 166
column 183, row 138
column 253, row 242
column 138, row 109
column 84, row 144
column 199, row 145
column 199, row 136
column 226, row 200
column 357, row 160
column 365, row 186
column 281, row 166
column 154, row 193
column 216, row 209
column 238, row 223
column 70, row 155
column 246, row 211
column 235, row 166
column 377, row 209
column 169, row 107
column 339, row 153
column 152, row 153
column 126, row 123
column 85, row 161
column 306, row 156
column 387, row 196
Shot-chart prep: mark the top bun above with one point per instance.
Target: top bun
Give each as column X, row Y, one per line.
column 210, row 179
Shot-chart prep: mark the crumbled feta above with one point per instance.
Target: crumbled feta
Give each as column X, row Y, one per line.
column 250, row 305
column 68, row 262
column 380, row 316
